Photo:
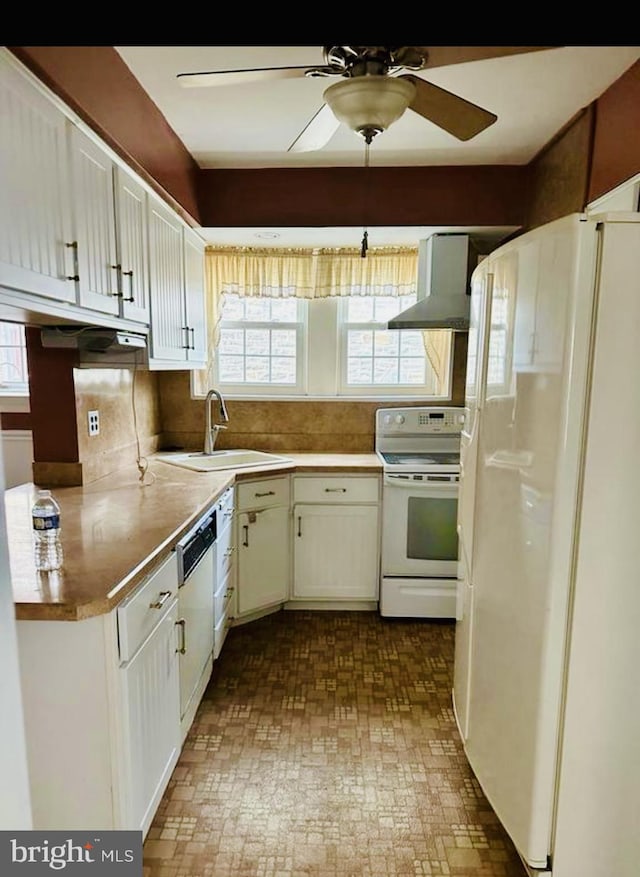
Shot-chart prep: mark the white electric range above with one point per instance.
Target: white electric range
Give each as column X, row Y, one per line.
column 419, row 448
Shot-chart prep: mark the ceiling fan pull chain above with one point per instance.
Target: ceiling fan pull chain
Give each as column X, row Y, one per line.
column 365, row 237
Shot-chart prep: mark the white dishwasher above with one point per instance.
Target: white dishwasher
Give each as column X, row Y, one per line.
column 196, row 553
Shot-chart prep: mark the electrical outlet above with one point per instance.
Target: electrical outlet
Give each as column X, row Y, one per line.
column 94, row 423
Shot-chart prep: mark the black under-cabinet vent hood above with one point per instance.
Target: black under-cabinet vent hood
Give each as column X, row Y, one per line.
column 444, row 270
column 97, row 345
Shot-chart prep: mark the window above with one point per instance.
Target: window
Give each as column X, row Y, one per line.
column 375, row 359
column 14, row 377
column 261, row 344
column 328, row 347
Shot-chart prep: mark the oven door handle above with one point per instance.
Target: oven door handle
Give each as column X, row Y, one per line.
column 398, row 481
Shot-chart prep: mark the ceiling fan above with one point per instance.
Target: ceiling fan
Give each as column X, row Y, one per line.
column 373, row 92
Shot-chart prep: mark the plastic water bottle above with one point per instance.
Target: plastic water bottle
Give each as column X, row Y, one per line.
column 45, row 516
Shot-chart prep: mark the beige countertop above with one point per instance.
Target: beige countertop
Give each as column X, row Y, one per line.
column 115, row 529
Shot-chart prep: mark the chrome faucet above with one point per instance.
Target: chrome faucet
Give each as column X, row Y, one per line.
column 212, row 430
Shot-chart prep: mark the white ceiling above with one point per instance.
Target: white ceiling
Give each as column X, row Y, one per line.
column 252, row 125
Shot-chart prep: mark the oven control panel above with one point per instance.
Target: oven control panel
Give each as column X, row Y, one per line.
column 421, row 421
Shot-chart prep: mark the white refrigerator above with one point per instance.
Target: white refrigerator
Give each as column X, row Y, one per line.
column 546, row 691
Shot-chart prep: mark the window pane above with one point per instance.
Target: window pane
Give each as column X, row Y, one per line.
column 284, row 310
column 386, row 343
column 412, row 371
column 411, row 343
column 283, row 370
column 359, row 371
column 257, row 309
column 385, row 370
column 257, row 341
column 359, row 309
column 232, row 307
column 360, row 342
column 231, row 341
column 257, row 369
column 283, row 342
column 231, row 368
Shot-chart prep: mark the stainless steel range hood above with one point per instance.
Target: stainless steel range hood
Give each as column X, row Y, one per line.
column 443, row 281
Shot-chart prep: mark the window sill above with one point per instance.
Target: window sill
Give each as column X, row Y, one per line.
column 398, row 400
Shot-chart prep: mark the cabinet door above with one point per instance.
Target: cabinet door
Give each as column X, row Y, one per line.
column 263, row 558
column 35, row 208
column 196, row 320
column 335, row 552
column 166, row 273
column 94, row 210
column 133, row 257
column 151, row 705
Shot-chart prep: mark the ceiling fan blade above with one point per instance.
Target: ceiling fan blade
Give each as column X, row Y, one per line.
column 318, row 131
column 238, row 77
column 443, row 56
column 447, row 110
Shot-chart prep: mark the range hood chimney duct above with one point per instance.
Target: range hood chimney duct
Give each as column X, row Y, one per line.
column 444, row 272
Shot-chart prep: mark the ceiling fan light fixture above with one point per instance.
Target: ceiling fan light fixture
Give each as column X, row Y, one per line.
column 369, row 104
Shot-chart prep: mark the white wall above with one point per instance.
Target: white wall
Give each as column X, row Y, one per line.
column 17, row 456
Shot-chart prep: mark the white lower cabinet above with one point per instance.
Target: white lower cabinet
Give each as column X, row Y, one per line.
column 336, row 541
column 150, row 707
column 262, row 537
column 101, row 701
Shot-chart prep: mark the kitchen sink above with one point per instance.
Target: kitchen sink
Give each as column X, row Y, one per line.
column 232, row 459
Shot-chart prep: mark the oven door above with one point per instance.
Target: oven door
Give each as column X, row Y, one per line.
column 419, row 526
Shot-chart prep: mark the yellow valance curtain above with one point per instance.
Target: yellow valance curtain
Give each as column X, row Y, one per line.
column 388, row 271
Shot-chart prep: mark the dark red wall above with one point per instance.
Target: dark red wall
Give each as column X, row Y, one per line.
column 304, row 197
column 52, row 398
column 616, row 145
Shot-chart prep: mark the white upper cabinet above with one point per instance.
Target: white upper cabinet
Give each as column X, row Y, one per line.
column 176, row 265
column 194, row 297
column 94, row 214
column 110, row 211
column 35, row 202
column 132, row 245
column 80, row 229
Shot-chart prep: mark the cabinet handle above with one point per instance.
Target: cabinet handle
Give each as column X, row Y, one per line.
column 73, row 245
column 186, row 330
column 182, row 624
column 162, row 599
column 268, row 493
column 335, row 490
column 117, row 269
column 129, row 274
column 193, row 339
column 245, row 540
column 299, row 525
